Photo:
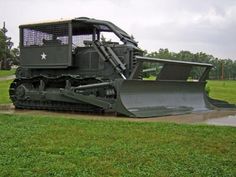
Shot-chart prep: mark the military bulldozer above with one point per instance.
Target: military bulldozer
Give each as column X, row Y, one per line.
column 90, row 65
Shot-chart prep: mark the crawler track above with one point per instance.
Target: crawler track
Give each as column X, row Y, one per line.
column 47, row 105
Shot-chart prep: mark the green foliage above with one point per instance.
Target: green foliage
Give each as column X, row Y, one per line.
column 15, row 53
column 7, row 54
column 44, row 146
column 5, row 44
column 2, row 45
column 229, row 66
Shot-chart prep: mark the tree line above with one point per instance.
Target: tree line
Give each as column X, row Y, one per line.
column 222, row 68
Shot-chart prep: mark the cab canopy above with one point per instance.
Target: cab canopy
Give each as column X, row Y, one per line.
column 50, row 44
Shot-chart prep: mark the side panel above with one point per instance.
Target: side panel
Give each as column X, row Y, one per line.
column 46, row 57
column 46, row 46
column 90, row 64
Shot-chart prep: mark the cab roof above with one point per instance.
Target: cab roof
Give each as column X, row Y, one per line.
column 122, row 34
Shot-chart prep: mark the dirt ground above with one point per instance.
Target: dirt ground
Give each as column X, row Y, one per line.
column 224, row 117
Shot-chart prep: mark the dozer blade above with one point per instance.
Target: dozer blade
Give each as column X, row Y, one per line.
column 139, row 98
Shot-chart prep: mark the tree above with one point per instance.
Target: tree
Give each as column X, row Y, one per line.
column 227, row 66
column 5, row 49
column 15, row 53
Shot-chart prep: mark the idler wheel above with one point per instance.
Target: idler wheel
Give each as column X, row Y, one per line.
column 21, row 92
column 22, row 72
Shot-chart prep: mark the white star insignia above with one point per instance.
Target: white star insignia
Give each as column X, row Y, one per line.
column 43, row 56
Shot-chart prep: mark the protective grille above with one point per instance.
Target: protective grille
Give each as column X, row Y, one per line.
column 78, row 40
column 46, row 35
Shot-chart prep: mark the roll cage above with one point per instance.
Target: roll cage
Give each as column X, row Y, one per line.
column 62, row 32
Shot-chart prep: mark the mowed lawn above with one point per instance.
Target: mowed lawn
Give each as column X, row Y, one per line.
column 4, row 89
column 223, row 90
column 4, row 85
column 4, row 73
column 50, row 146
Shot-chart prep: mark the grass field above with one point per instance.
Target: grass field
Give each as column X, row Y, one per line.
column 223, row 90
column 50, row 146
column 4, row 85
column 4, row 73
column 58, row 146
column 4, row 96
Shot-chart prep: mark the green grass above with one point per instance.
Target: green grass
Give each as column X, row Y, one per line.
column 50, row 146
column 223, row 90
column 4, row 73
column 4, row 87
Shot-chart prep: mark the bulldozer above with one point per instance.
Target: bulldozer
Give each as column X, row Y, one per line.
column 91, row 65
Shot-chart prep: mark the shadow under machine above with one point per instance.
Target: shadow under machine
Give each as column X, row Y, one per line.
column 92, row 65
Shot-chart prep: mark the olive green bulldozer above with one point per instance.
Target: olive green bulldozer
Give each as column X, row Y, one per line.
column 90, row 65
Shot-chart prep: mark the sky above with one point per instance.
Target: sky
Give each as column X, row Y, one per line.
column 195, row 25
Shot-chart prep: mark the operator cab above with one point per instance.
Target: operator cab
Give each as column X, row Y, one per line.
column 52, row 44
